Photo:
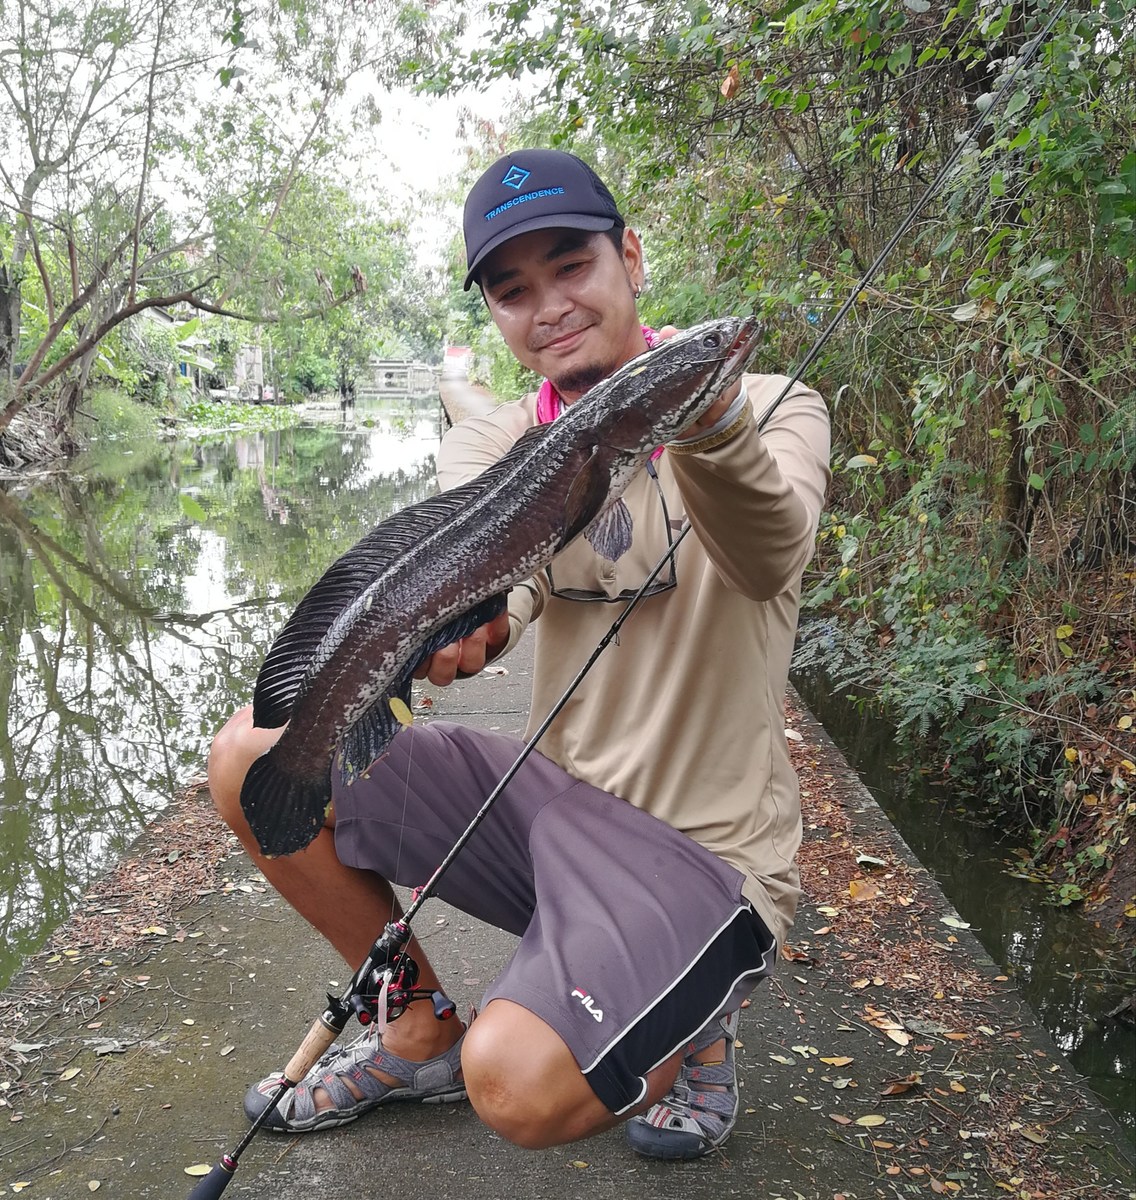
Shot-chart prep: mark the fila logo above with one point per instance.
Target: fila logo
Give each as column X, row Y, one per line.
column 588, row 1003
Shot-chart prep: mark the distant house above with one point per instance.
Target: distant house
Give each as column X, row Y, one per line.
column 395, row 377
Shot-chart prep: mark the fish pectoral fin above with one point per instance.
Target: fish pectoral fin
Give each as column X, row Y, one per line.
column 586, row 495
column 610, row 534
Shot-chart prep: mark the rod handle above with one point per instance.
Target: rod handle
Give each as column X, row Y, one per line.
column 214, row 1183
column 316, row 1041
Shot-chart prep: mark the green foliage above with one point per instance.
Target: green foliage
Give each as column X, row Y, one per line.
column 983, row 390
column 208, row 415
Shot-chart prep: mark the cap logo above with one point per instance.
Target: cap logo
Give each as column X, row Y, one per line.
column 515, row 177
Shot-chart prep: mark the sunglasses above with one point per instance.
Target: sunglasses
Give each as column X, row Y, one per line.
column 587, row 596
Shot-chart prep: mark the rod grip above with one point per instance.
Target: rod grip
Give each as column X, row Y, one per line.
column 316, row 1041
column 213, row 1184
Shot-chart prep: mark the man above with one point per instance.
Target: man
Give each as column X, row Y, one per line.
column 645, row 857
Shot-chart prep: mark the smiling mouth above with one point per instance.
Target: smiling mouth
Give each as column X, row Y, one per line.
column 561, row 340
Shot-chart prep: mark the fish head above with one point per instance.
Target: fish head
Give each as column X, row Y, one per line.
column 655, row 397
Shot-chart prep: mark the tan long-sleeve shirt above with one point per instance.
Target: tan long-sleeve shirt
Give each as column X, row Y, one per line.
column 684, row 715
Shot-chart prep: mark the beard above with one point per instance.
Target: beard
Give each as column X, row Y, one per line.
column 580, row 379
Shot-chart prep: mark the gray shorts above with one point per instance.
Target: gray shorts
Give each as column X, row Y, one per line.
column 633, row 935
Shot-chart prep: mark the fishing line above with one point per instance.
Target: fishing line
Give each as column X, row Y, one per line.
column 396, row 934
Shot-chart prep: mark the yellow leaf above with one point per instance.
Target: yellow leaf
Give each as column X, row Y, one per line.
column 402, row 714
column 871, row 1120
column 19, row 1187
column 1125, row 722
column 198, row 1169
column 956, row 1086
column 93, row 1185
column 70, row 1073
column 1064, row 631
column 578, row 1163
column 1130, row 910
column 1070, row 754
column 839, row 1060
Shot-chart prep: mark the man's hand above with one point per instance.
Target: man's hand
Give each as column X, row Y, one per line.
column 467, row 656
column 717, row 410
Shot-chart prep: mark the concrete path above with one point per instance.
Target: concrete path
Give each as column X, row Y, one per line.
column 887, row 1059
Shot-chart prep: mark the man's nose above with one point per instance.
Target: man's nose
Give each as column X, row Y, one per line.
column 553, row 303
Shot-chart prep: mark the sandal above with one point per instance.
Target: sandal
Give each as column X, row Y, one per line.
column 698, row 1113
column 435, row 1081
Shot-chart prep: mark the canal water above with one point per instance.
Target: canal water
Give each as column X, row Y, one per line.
column 1059, row 960
column 139, row 593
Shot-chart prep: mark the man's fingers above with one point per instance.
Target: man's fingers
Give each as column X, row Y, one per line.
column 467, row 656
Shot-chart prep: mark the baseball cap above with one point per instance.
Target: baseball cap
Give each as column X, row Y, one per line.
column 533, row 189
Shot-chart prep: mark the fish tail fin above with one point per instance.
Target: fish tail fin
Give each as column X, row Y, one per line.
column 285, row 812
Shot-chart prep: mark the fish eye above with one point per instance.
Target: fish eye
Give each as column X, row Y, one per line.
column 712, row 341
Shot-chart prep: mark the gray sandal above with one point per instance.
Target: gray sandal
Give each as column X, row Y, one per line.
column 698, row 1113
column 435, row 1081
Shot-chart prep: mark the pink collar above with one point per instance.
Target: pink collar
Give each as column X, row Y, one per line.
column 549, row 404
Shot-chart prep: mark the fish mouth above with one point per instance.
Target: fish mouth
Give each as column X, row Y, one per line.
column 743, row 347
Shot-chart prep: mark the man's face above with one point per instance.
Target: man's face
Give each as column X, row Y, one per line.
column 564, row 301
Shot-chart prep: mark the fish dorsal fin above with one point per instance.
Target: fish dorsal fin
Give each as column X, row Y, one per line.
column 284, row 666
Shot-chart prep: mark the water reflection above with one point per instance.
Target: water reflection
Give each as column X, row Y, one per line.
column 1057, row 958
column 137, row 598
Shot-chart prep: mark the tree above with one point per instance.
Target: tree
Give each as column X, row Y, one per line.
column 153, row 166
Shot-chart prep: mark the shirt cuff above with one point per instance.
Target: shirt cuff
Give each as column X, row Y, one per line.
column 729, row 425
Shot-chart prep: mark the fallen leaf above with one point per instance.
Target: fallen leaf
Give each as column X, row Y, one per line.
column 871, row 1120
column 840, row 1060
column 897, row 1087
column 578, row 1163
column 402, row 714
column 93, row 1185
column 862, row 890
column 955, row 922
column 1038, row 1136
column 198, row 1169
column 781, row 1058
column 840, row 1119
column 70, row 1073
column 227, row 1050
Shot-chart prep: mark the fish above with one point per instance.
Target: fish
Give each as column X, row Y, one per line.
column 436, row 570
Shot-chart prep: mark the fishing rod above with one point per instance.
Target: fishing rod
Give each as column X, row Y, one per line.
column 385, row 983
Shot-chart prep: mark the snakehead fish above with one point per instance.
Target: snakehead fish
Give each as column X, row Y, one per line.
column 435, row 571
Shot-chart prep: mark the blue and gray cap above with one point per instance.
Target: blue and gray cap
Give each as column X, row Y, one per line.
column 533, row 189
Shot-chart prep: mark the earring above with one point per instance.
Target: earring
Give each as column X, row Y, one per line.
column 638, row 290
